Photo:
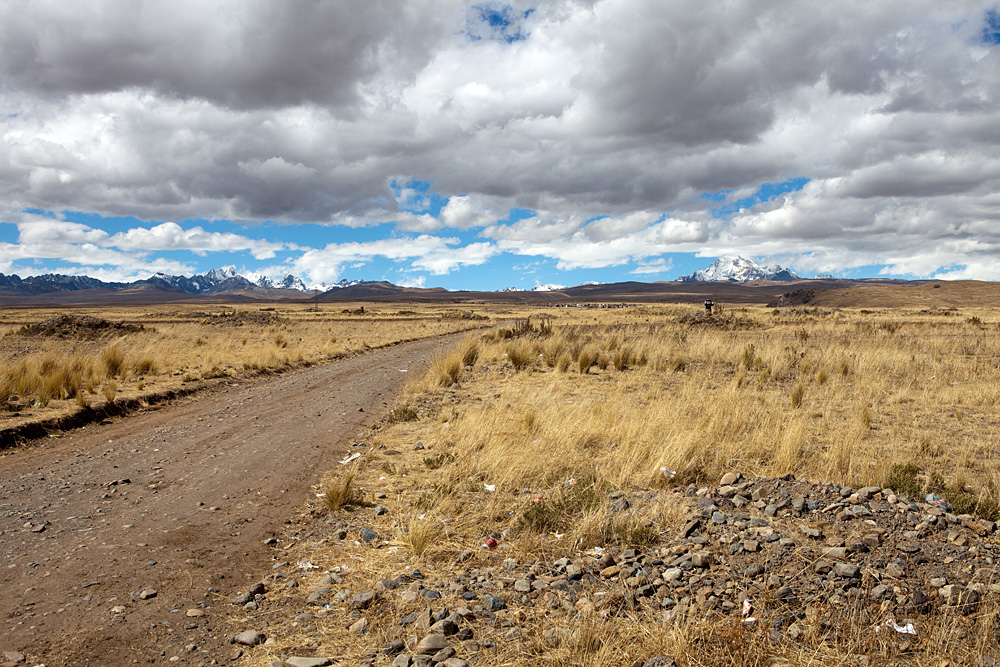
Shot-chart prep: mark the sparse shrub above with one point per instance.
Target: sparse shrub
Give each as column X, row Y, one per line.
column 677, row 363
column 280, row 341
column 632, row 532
column 445, row 369
column 143, row 365
column 563, row 362
column 435, row 462
column 586, row 359
column 469, row 351
column 420, row 534
column 622, row 358
column 904, row 478
column 974, row 321
column 929, row 447
column 865, row 416
column 114, row 360
column 341, row 493
column 798, row 394
column 403, row 413
column 558, row 513
column 110, row 391
column 821, row 376
column 603, row 361
column 521, row 355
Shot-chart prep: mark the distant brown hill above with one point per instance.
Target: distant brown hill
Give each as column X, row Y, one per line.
column 875, row 293
column 895, row 294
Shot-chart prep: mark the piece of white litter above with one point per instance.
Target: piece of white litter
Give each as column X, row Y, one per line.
column 421, row 517
column 907, row 629
column 350, row 458
column 320, row 495
column 307, row 565
column 667, row 472
column 490, row 487
column 559, row 536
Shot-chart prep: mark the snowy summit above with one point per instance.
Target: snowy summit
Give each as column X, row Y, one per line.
column 739, row 270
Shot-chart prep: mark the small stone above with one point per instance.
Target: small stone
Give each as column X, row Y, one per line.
column 147, row 594
column 359, row 626
column 814, row 533
column 194, row 613
column 847, row 570
column 951, row 593
column 401, row 661
column 894, row 570
column 821, row 567
column 728, row 479
column 620, row 504
column 660, row 661
column 455, row 662
column 444, row 627
column 15, row 657
column 493, row 602
column 751, row 546
column 880, row 592
column 701, row 559
column 248, row 638
column 380, row 510
column 362, row 600
column 307, row 662
column 431, row 644
column 443, row 654
column 368, row 535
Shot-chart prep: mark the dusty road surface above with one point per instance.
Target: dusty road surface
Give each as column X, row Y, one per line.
column 177, row 501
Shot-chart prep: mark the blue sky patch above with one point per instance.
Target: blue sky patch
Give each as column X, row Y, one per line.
column 766, row 192
column 499, row 22
column 991, row 31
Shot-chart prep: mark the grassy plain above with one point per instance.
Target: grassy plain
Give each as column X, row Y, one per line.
column 54, row 362
column 576, row 403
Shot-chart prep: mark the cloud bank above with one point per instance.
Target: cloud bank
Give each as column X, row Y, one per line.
column 623, row 126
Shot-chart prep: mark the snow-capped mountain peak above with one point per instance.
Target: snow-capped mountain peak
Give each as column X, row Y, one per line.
column 740, row 270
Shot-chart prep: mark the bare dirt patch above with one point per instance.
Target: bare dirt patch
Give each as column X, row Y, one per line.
column 123, row 540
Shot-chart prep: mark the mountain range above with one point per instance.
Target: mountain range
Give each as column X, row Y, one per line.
column 216, row 281
column 737, row 269
column 228, row 281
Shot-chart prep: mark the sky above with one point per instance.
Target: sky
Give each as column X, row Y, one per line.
column 483, row 145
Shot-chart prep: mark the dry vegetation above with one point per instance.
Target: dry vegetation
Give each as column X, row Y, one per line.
column 53, row 363
column 527, row 431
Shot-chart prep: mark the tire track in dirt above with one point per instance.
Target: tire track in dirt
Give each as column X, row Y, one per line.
column 208, row 480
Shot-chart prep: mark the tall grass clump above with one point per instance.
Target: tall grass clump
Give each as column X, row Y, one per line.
column 445, row 369
column 521, row 354
column 114, row 360
column 340, row 493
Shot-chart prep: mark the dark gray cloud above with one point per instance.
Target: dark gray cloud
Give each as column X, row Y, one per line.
column 307, row 111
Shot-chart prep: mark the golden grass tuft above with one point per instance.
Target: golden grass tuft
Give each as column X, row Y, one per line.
column 340, row 493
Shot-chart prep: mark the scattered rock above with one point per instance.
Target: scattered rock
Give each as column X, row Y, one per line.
column 248, row 638
column 307, row 662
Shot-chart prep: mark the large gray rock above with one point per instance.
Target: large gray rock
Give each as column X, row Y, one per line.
column 431, row 644
column 362, row 600
column 248, row 638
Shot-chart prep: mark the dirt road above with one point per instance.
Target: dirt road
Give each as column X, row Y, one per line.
column 178, row 501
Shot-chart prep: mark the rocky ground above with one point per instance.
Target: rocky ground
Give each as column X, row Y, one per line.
column 802, row 567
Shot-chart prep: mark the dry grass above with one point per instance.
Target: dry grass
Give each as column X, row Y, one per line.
column 42, row 377
column 534, row 446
